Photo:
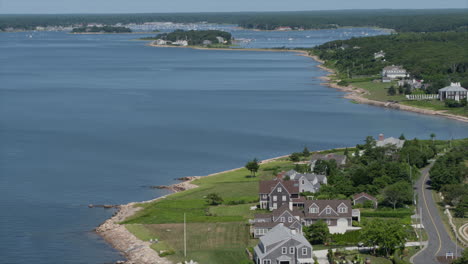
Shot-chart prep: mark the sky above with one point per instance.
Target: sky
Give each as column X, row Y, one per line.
column 168, row 6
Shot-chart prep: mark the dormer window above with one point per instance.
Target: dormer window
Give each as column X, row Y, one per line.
column 343, row 210
column 279, row 189
column 314, row 210
column 282, row 219
column 328, row 210
column 290, row 219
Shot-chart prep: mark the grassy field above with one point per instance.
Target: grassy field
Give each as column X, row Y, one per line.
column 215, row 234
column 379, row 92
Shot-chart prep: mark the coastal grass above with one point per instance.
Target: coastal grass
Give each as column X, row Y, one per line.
column 206, row 242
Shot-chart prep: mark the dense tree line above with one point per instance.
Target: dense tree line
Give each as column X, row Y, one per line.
column 196, row 37
column 437, row 58
column 104, row 29
column 400, row 20
column 385, row 172
column 449, row 175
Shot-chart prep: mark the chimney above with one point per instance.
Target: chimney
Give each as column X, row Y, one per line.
column 381, row 137
column 290, row 205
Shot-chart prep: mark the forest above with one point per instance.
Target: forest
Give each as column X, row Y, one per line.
column 196, row 37
column 104, row 29
column 438, row 57
column 399, row 20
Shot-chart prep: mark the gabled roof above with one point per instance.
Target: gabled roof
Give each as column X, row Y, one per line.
column 394, row 68
column 281, row 233
column 454, row 87
column 363, row 194
column 322, row 204
column 330, row 156
column 390, row 141
column 291, row 186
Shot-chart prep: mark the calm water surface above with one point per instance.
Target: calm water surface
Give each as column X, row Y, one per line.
column 97, row 118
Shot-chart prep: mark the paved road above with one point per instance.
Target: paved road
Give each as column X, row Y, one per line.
column 439, row 240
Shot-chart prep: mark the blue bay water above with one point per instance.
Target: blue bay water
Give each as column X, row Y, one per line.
column 98, row 118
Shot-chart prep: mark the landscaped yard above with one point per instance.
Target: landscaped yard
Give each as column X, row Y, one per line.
column 215, row 234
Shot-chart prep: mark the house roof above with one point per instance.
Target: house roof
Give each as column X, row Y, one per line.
column 281, row 233
column 394, row 68
column 454, row 87
column 330, row 156
column 390, row 141
column 291, row 186
column 322, row 204
column 363, row 194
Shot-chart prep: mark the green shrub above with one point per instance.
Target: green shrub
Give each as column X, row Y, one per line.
column 167, row 253
column 350, row 237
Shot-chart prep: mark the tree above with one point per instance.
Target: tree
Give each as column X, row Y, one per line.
column 295, row 157
column 306, row 152
column 433, row 136
column 214, row 199
column 400, row 192
column 252, row 166
column 387, row 235
column 317, row 233
column 391, row 90
column 463, row 259
column 346, row 152
column 402, row 137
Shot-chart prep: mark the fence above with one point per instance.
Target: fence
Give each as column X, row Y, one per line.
column 422, row 96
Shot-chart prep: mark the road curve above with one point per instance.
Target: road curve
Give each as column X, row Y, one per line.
column 439, row 241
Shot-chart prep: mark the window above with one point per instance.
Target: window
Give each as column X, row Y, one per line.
column 284, row 197
column 289, row 219
column 291, row 250
column 266, row 261
column 314, row 210
column 275, row 198
column 282, row 219
column 328, row 211
column 304, row 251
column 275, row 205
column 264, row 196
column 279, row 189
column 343, row 209
column 302, row 181
column 284, row 250
column 328, row 222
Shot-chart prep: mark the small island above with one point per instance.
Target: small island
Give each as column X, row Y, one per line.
column 102, row 29
column 206, row 38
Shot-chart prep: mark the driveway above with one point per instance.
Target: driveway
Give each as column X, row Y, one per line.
column 439, row 242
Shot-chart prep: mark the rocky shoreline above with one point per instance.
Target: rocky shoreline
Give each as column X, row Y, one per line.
column 357, row 95
column 133, row 249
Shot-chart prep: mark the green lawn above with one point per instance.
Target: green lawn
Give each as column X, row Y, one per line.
column 218, row 234
column 206, row 242
column 379, row 91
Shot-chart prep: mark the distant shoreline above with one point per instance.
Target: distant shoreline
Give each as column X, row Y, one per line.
column 353, row 93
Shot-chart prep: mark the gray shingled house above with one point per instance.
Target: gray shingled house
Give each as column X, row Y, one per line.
column 308, row 182
column 282, row 245
column 274, row 193
column 287, row 215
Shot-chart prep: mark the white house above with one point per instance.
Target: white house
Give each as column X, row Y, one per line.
column 455, row 92
column 394, row 72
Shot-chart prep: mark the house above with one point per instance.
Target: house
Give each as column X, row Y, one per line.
column 160, row 42
column 394, row 72
column 340, row 159
column 338, row 214
column 180, row 43
column 308, row 182
column 455, row 92
column 207, row 42
column 363, row 197
column 282, row 245
column 287, row 215
column 383, row 142
column 413, row 83
column 283, row 28
column 274, row 193
column 220, row 40
column 379, row 54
